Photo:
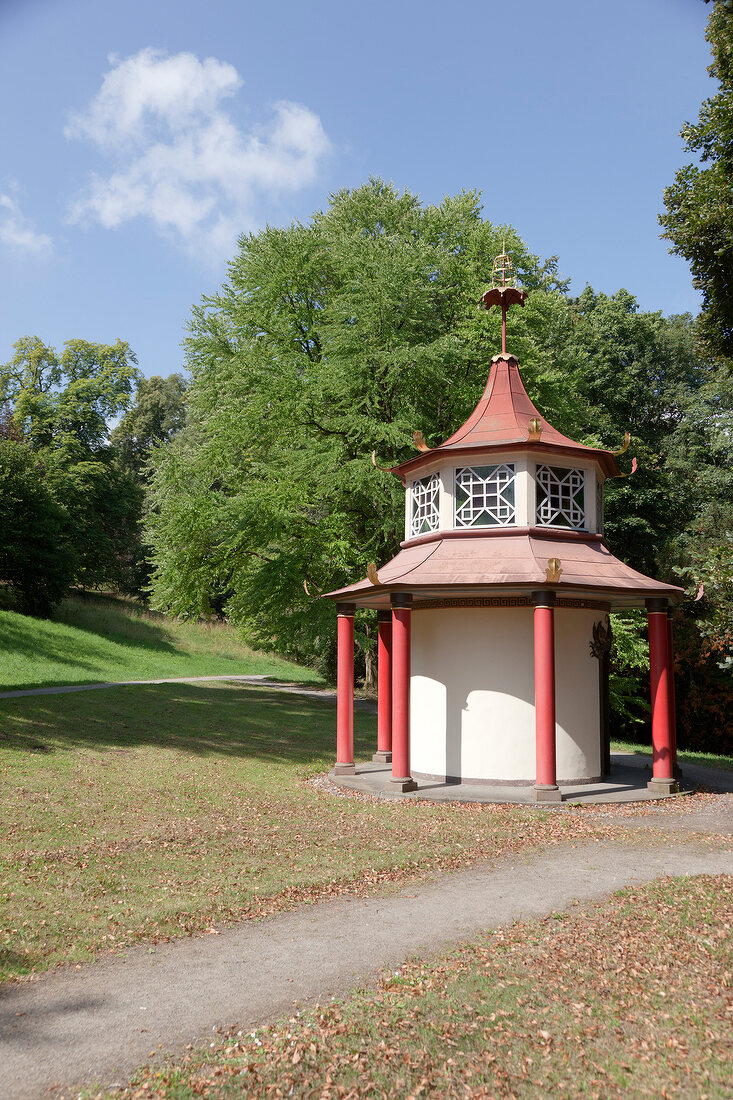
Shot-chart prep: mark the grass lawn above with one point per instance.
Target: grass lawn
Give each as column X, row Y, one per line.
column 707, row 759
column 140, row 813
column 631, row 998
column 96, row 638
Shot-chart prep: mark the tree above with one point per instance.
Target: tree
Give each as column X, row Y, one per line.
column 157, row 414
column 62, row 403
column 340, row 337
column 36, row 554
column 699, row 204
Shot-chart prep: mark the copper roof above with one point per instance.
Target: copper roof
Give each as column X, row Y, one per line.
column 501, row 420
column 469, row 562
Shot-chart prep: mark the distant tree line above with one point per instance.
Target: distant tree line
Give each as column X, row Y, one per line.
column 71, row 490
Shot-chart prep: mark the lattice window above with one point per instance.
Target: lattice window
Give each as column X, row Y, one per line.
column 560, row 497
column 485, row 496
column 425, row 515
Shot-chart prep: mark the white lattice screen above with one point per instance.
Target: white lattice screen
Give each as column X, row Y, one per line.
column 425, row 515
column 485, row 496
column 560, row 497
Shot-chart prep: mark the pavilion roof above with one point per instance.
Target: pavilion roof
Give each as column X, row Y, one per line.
column 501, row 421
column 503, row 561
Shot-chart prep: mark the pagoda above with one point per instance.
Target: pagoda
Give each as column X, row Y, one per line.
column 493, row 632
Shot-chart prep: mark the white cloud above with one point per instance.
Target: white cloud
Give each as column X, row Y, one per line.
column 16, row 231
column 181, row 160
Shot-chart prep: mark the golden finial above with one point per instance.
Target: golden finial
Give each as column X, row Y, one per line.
column 504, row 291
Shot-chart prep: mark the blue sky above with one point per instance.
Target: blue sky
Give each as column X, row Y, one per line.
column 138, row 139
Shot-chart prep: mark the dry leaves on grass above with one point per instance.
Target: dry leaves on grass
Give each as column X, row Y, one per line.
column 633, row 997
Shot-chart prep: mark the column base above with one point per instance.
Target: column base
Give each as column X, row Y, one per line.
column 542, row 793
column 663, row 786
column 403, row 785
column 382, row 756
column 344, row 769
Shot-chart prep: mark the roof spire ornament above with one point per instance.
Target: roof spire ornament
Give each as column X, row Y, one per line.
column 504, row 291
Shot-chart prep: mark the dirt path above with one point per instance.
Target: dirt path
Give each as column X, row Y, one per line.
column 97, row 1024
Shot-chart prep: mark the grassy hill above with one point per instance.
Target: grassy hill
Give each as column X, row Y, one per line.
column 96, row 638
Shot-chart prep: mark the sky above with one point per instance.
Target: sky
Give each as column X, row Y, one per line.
column 139, row 139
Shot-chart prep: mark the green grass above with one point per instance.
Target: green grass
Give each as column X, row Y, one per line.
column 98, row 638
column 142, row 813
column 707, row 759
column 629, row 999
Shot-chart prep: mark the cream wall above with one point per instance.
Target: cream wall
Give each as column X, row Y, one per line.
column 472, row 694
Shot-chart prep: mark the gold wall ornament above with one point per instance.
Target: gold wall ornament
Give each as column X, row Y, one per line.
column 372, row 574
column 419, row 440
column 627, row 441
column 535, row 429
column 553, row 570
column 602, row 638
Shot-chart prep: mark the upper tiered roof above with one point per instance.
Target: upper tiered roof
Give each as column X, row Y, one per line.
column 505, row 419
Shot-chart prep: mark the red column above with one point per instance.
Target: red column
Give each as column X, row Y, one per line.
column 345, row 691
column 659, row 669
column 401, row 613
column 676, row 772
column 545, row 788
column 383, row 755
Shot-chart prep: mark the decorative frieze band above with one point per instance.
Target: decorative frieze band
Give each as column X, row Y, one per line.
column 507, row 601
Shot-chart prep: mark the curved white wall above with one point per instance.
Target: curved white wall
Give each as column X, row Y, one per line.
column 472, row 694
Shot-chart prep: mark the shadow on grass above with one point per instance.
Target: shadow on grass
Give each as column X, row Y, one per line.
column 200, row 719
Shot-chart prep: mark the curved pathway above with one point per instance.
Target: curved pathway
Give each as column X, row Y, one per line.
column 72, row 1028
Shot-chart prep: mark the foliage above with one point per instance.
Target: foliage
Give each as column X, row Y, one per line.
column 342, row 336
column 699, row 205
column 629, row 671
column 61, row 403
column 36, row 557
column 156, row 415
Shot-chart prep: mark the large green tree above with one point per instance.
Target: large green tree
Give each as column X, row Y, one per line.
column 341, row 337
column 699, row 204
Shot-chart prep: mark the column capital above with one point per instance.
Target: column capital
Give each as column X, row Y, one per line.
column 543, row 599
column 401, row 599
column 659, row 605
column 345, row 608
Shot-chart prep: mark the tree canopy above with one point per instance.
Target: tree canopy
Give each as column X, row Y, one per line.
column 61, row 405
column 699, row 204
column 343, row 336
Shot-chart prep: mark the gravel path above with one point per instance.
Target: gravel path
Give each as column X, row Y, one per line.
column 97, row 1024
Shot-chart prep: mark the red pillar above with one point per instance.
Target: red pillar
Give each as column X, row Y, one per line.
column 676, row 771
column 345, row 691
column 662, row 780
column 401, row 612
column 545, row 788
column 383, row 755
